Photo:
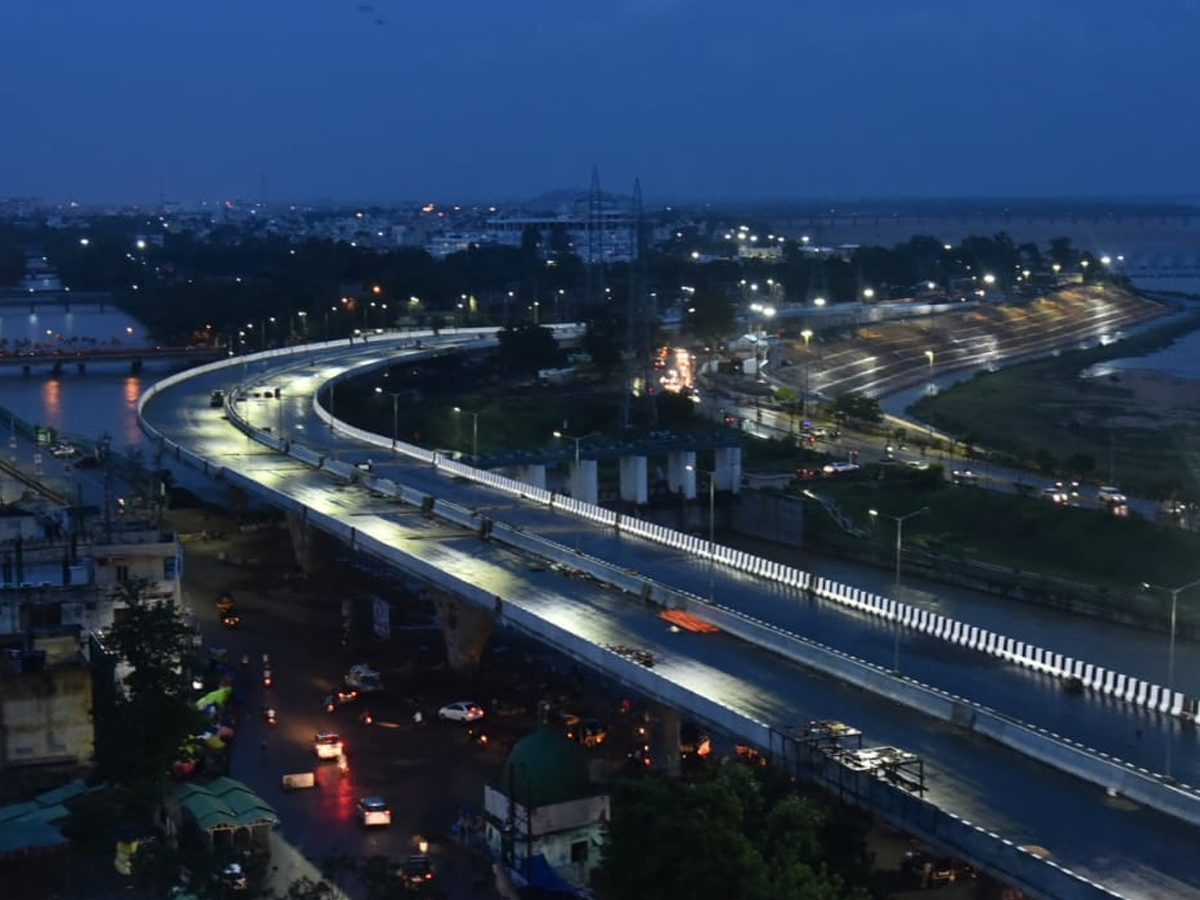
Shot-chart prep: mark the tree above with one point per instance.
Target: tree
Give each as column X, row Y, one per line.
column 1080, row 464
column 526, row 348
column 153, row 712
column 710, row 317
column 604, row 340
column 857, row 406
column 723, row 835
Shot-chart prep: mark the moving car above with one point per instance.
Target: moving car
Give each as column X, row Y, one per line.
column 374, row 811
column 417, row 869
column 328, row 745
column 461, row 711
column 1110, row 494
column 216, row 399
column 230, row 617
column 839, row 468
column 62, row 451
column 225, row 601
column 964, row 476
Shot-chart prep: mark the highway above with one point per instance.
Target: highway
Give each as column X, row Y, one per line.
column 1135, row 852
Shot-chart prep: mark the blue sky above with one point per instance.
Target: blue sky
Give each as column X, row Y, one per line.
column 477, row 99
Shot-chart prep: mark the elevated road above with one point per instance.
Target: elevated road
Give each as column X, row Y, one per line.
column 1133, row 851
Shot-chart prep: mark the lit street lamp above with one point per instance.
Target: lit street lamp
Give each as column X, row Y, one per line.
column 1174, row 592
column 712, row 519
column 899, row 520
column 474, row 430
column 578, row 440
column 395, row 395
column 807, row 335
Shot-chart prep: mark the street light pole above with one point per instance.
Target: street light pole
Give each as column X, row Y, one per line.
column 474, row 431
column 899, row 520
column 395, row 395
column 712, row 529
column 578, row 440
column 1174, row 592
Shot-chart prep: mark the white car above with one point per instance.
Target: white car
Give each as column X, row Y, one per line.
column 62, row 451
column 374, row 811
column 1110, row 494
column 328, row 745
column 839, row 468
column 461, row 711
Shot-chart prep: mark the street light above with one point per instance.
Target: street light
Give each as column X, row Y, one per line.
column 474, row 430
column 578, row 440
column 899, row 520
column 1174, row 592
column 395, row 395
column 712, row 533
column 806, row 334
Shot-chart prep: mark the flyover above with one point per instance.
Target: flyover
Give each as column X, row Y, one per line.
column 729, row 683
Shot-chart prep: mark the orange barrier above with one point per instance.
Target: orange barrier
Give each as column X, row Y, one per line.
column 687, row 621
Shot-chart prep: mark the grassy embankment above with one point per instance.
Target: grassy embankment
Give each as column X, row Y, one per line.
column 1042, row 413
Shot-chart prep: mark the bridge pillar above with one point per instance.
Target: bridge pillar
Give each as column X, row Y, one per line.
column 664, row 738
column 309, row 546
column 728, row 469
column 633, row 480
column 81, row 368
column 681, row 473
column 56, row 369
column 466, row 629
column 585, row 483
column 534, row 474
column 137, row 367
column 25, row 370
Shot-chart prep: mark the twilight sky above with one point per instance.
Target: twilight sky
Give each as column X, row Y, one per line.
column 456, row 100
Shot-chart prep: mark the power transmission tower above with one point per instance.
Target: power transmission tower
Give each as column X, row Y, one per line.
column 594, row 285
column 640, row 315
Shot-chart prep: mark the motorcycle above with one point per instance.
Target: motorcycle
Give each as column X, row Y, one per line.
column 267, row 680
column 366, row 718
column 269, row 715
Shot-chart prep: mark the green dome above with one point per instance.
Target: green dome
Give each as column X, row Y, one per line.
column 545, row 768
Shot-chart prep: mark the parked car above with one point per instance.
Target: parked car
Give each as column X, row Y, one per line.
column 461, row 711
column 588, row 732
column 62, row 451
column 364, row 679
column 374, row 811
column 328, row 745
column 87, row 462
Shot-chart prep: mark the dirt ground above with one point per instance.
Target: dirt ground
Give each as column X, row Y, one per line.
column 1156, row 399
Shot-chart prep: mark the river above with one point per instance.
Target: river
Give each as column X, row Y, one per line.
column 103, row 400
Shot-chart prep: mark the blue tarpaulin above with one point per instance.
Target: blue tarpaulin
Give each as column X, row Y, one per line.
column 542, row 877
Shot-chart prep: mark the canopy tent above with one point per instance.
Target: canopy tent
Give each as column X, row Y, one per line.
column 225, row 804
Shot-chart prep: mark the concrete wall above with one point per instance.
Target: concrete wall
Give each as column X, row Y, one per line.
column 770, row 516
column 46, row 717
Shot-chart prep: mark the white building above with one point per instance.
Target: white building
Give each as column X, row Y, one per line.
column 545, row 821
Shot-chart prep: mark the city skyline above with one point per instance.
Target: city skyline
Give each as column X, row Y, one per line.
column 347, row 101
